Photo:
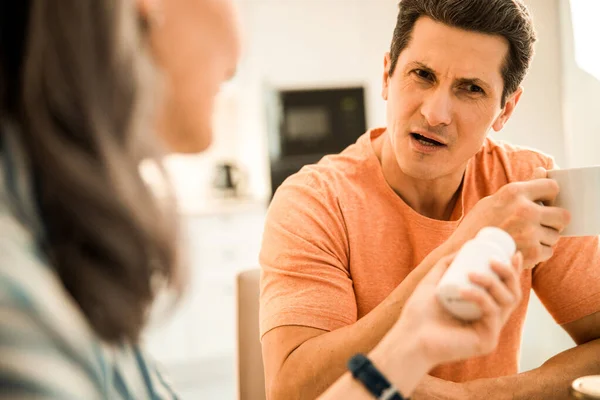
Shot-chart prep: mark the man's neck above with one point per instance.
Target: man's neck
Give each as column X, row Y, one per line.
column 434, row 199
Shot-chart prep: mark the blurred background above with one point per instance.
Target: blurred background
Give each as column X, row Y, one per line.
column 309, row 84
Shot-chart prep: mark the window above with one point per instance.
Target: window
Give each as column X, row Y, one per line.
column 586, row 33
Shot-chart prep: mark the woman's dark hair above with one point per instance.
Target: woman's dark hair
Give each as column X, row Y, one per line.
column 74, row 80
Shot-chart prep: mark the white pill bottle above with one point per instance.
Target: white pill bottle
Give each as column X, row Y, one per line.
column 476, row 256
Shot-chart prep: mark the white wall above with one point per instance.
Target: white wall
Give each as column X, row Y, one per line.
column 538, row 122
column 289, row 44
column 312, row 43
column 538, row 119
column 581, row 99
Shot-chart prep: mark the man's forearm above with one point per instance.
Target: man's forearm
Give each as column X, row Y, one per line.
column 550, row 381
column 319, row 362
column 404, row 363
column 316, row 364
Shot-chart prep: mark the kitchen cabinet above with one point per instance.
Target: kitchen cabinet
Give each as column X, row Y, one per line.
column 196, row 343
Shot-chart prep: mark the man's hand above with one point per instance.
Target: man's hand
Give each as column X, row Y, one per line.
column 518, row 209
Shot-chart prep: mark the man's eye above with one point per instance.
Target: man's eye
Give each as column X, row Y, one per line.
column 474, row 89
column 424, row 74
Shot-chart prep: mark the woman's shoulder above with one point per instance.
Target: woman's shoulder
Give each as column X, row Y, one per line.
column 49, row 345
column 43, row 336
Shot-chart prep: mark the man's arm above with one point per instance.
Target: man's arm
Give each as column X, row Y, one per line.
column 550, row 381
column 302, row 362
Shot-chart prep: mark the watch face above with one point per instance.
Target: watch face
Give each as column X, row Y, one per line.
column 586, row 388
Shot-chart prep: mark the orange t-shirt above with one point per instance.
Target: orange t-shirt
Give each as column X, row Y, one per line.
column 338, row 240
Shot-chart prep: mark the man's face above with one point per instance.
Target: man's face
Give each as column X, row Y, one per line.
column 443, row 97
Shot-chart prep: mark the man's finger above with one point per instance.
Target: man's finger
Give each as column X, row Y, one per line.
column 540, row 173
column 544, row 190
column 555, row 218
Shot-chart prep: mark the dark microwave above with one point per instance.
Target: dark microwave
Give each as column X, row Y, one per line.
column 312, row 123
column 320, row 121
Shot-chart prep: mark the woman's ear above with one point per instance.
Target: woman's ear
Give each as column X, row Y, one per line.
column 150, row 10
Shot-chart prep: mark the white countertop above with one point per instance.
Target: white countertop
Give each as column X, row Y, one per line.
column 220, row 206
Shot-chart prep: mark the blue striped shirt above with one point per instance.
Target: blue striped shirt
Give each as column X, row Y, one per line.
column 47, row 348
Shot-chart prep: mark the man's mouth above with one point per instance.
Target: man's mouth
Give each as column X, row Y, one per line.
column 426, row 141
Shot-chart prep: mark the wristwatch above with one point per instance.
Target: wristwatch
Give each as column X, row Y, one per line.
column 372, row 379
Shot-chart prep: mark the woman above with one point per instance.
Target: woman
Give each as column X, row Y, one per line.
column 85, row 247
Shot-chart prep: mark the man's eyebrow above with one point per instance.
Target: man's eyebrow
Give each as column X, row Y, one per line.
column 420, row 65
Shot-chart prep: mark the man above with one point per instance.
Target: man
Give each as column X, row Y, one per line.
column 348, row 239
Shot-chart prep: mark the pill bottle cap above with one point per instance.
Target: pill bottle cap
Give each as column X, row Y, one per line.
column 587, row 387
column 500, row 238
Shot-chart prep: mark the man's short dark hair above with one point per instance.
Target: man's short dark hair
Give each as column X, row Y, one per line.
column 508, row 18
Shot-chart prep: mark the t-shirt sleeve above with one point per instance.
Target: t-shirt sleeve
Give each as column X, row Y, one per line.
column 304, row 258
column 569, row 283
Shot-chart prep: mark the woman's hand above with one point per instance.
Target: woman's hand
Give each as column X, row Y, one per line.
column 443, row 338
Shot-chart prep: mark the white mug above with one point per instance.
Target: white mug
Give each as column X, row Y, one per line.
column 580, row 195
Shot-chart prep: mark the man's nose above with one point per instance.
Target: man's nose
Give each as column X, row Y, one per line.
column 437, row 108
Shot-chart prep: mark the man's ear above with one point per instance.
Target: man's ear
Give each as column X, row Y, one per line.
column 387, row 63
column 509, row 108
